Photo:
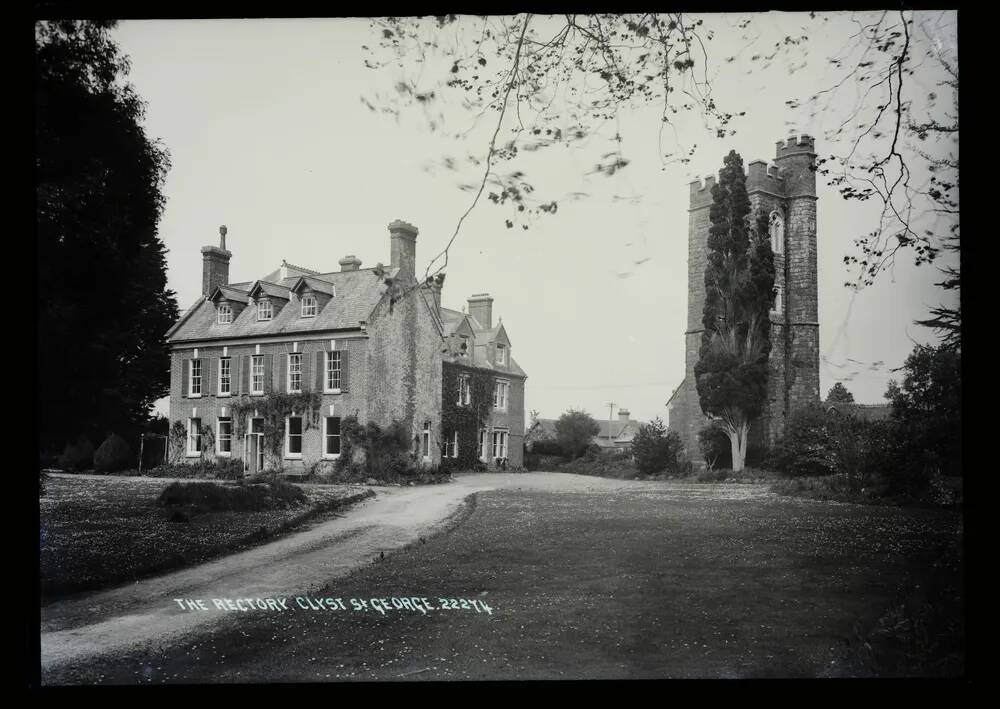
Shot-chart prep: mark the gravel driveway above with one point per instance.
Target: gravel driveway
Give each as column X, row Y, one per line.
column 146, row 614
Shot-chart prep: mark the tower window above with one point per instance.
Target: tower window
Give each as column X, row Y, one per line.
column 777, row 228
column 779, row 304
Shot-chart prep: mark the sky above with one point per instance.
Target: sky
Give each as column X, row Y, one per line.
column 268, row 134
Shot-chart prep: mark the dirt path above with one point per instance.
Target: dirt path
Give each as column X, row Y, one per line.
column 146, row 614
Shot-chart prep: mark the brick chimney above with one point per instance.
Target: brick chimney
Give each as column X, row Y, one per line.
column 350, row 263
column 215, row 265
column 481, row 308
column 403, row 247
column 623, row 414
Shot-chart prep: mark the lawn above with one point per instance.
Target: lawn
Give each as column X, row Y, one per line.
column 97, row 532
column 647, row 583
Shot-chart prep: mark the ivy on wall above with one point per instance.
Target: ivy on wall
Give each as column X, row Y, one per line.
column 467, row 419
column 274, row 408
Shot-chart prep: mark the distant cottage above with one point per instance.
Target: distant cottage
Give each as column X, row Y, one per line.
column 613, row 435
column 373, row 343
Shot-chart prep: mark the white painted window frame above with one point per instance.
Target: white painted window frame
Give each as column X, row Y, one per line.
column 225, row 314
column 228, row 361
column 191, row 378
column 218, row 436
column 309, row 306
column 328, row 371
column 294, row 357
column 288, row 437
column 254, row 361
column 331, row 456
column 193, row 439
column 264, row 307
column 501, row 392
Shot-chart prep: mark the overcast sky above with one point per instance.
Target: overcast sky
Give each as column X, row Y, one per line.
column 268, row 134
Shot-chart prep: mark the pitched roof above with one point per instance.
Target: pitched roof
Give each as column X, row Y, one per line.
column 317, row 284
column 271, row 289
column 865, row 412
column 618, row 428
column 358, row 292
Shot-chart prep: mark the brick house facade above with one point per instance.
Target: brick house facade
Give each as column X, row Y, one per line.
column 786, row 191
column 370, row 342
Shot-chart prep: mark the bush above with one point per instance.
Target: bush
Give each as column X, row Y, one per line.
column 214, row 497
column 546, row 446
column 574, row 431
column 218, row 469
column 808, row 447
column 655, row 449
column 78, row 455
column 113, row 455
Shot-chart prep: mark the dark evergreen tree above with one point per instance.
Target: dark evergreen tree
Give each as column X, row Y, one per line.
column 839, row 395
column 103, row 305
column 731, row 373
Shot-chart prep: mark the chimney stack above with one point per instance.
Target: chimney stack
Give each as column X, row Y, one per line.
column 215, row 265
column 403, row 247
column 623, row 414
column 481, row 308
column 350, row 263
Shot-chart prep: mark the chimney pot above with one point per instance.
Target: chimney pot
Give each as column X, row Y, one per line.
column 403, row 247
column 350, row 263
column 215, row 265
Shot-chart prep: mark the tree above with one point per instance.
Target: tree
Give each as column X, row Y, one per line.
column 654, row 448
column 731, row 372
column 927, row 406
column 575, row 430
column 561, row 80
column 839, row 395
column 103, row 305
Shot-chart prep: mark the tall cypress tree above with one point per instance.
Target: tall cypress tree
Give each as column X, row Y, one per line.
column 731, row 372
column 103, row 305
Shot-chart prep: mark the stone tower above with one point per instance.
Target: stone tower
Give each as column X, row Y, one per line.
column 787, row 192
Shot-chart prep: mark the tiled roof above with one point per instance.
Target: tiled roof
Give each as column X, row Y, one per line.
column 317, row 284
column 451, row 319
column 271, row 289
column 617, row 428
column 358, row 292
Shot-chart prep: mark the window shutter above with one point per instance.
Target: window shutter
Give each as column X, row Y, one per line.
column 283, row 372
column 268, row 373
column 213, row 376
column 185, row 373
column 245, row 374
column 304, row 368
column 345, row 370
column 320, row 370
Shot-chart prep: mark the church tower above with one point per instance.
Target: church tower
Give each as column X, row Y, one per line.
column 786, row 191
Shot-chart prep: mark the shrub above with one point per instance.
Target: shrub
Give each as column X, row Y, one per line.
column 574, row 431
column 113, row 455
column 78, row 455
column 547, row 446
column 654, row 448
column 218, row 468
column 808, row 446
column 199, row 497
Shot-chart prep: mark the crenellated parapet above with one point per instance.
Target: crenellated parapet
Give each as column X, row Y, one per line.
column 761, row 176
column 701, row 191
column 795, row 145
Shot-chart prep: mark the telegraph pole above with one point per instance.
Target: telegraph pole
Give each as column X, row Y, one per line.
column 611, row 408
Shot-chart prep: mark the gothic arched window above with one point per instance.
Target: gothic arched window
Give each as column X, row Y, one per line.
column 777, row 225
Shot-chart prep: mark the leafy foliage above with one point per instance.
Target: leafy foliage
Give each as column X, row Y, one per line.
column 808, row 445
column 928, row 408
column 78, row 455
column 99, row 200
column 839, row 394
column 112, row 455
column 201, row 497
column 731, row 371
column 371, row 451
column 466, row 419
column 205, row 467
column 654, row 448
column 574, row 431
column 274, row 408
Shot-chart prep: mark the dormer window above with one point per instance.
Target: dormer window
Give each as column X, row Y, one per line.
column 501, row 355
column 308, row 306
column 225, row 313
column 264, row 310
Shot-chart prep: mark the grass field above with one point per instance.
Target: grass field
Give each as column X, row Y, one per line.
column 97, row 532
column 633, row 584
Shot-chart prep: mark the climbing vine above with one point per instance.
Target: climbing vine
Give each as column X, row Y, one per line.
column 466, row 419
column 274, row 408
